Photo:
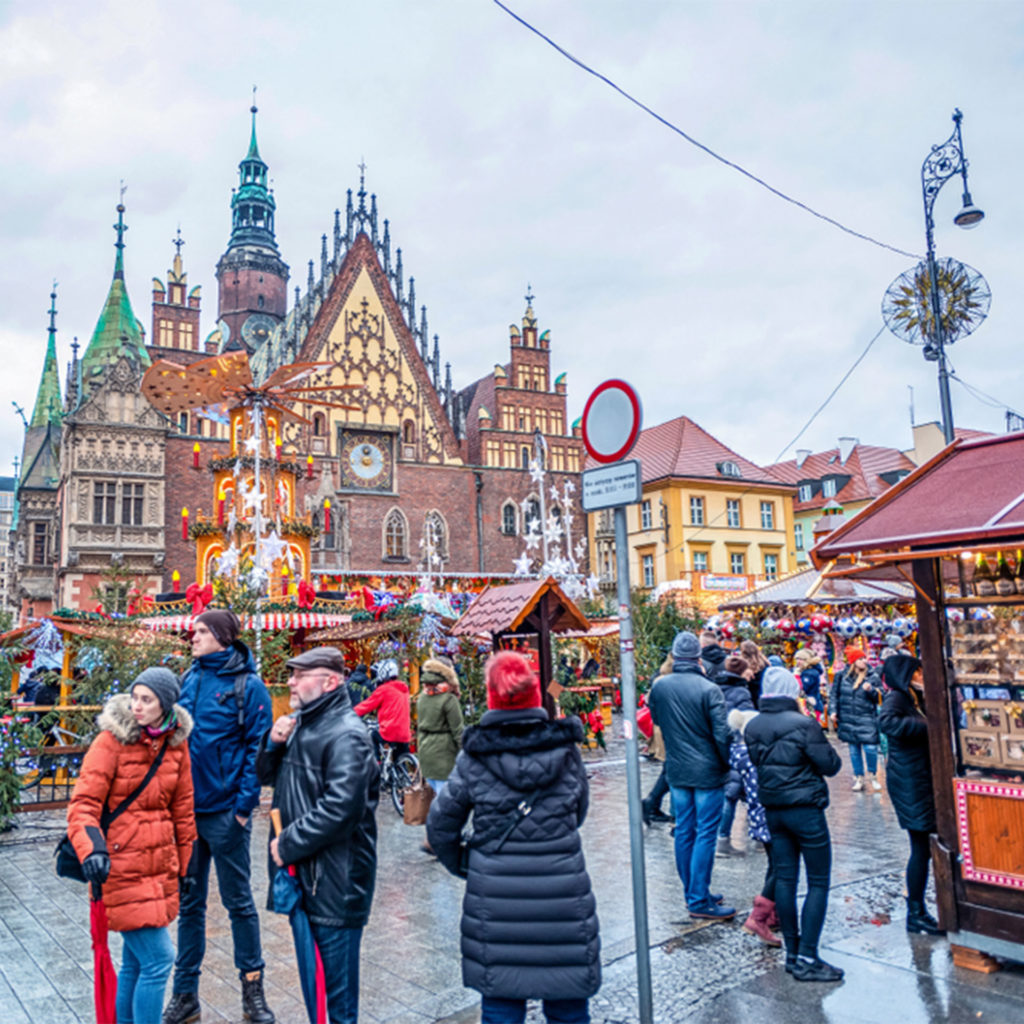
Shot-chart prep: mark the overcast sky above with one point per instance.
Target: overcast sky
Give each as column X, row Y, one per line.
column 498, row 163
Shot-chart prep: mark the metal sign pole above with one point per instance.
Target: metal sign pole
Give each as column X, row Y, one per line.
column 636, row 829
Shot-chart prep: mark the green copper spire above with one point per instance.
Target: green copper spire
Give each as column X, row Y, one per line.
column 252, row 203
column 117, row 332
column 48, row 404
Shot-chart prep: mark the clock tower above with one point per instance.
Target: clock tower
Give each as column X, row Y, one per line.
column 251, row 276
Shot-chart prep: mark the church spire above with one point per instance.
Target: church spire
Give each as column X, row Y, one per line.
column 48, row 405
column 252, row 204
column 117, row 332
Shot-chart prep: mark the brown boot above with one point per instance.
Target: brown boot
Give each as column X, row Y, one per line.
column 757, row 923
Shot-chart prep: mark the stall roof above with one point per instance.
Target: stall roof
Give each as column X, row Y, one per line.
column 268, row 620
column 811, row 587
column 504, row 609
column 969, row 493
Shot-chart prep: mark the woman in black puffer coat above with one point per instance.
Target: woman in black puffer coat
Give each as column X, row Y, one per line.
column 529, row 919
column 853, row 705
column 908, row 777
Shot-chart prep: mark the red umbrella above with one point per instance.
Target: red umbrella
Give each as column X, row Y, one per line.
column 104, row 975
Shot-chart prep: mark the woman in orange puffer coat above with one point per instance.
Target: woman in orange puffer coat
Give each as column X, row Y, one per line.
column 145, row 856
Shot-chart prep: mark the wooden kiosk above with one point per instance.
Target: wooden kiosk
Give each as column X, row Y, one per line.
column 954, row 529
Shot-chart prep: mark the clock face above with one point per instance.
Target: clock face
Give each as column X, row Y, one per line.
column 366, row 461
column 257, row 328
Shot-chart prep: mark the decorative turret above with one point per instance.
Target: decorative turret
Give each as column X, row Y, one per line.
column 118, row 333
column 251, row 276
column 48, row 404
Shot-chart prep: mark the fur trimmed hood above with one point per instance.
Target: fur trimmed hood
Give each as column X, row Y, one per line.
column 433, row 667
column 117, row 719
column 738, row 719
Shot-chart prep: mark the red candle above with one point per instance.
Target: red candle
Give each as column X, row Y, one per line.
column 327, row 515
column 284, row 579
column 195, row 455
column 277, row 448
column 309, row 467
column 220, row 511
column 176, row 581
column 184, row 524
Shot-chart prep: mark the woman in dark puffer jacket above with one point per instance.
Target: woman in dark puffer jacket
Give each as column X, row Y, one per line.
column 792, row 758
column 529, row 919
column 853, row 705
column 908, row 777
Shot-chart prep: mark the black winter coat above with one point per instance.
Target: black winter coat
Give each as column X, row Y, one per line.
column 856, row 709
column 713, row 658
column 791, row 755
column 908, row 771
column 529, row 919
column 736, row 693
column 690, row 710
column 326, row 784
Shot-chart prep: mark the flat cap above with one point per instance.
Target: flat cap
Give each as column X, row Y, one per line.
column 319, row 657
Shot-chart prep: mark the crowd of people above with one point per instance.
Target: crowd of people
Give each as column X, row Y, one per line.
column 187, row 759
column 734, row 726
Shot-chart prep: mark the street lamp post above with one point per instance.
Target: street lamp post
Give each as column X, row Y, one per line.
column 942, row 163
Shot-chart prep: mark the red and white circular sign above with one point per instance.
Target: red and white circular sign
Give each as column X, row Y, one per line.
column 611, row 421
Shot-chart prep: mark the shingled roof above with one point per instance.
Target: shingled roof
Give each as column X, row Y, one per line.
column 504, row 609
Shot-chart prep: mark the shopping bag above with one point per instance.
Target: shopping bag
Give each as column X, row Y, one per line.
column 416, row 803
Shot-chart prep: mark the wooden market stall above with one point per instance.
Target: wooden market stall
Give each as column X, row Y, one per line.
column 954, row 529
column 534, row 609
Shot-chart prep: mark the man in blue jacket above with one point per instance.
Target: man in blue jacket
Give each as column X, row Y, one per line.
column 231, row 710
column 690, row 710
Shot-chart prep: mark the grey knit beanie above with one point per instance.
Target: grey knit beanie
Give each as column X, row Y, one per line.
column 163, row 682
column 685, row 647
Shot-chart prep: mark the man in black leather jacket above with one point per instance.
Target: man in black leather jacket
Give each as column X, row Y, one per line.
column 326, row 785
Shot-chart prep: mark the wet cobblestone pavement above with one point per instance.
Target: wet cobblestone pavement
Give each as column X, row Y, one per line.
column 705, row 973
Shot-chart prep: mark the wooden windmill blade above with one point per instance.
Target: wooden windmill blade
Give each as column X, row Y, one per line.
column 292, row 373
column 173, row 388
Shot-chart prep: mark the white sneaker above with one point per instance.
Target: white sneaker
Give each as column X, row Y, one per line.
column 875, row 784
column 858, row 784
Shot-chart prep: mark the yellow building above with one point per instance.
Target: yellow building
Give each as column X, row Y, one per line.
column 710, row 521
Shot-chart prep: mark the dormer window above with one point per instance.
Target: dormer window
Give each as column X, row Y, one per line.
column 803, row 492
column 729, row 468
column 829, row 487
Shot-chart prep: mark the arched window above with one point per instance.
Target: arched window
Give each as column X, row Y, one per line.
column 524, row 457
column 409, row 432
column 318, row 424
column 508, row 518
column 436, row 529
column 533, row 513
column 395, row 535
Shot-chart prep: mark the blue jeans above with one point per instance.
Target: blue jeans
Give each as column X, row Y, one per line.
column 857, row 752
column 339, row 951
column 225, row 843
column 513, row 1011
column 698, row 813
column 146, row 961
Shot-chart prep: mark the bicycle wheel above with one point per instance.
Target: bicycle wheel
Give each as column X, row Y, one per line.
column 404, row 772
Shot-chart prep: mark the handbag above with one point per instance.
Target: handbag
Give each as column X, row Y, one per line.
column 67, row 863
column 501, row 832
column 416, row 800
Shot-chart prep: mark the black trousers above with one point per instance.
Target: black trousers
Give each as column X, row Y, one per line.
column 917, row 866
column 800, row 832
column 652, row 802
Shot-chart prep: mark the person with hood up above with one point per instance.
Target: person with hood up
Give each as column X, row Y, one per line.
column 807, row 667
column 733, row 684
column 853, row 705
column 691, row 712
column 712, row 654
column 359, row 684
column 908, row 777
column 438, row 721
column 529, row 918
column 231, row 708
column 390, row 699
column 146, row 855
column 793, row 757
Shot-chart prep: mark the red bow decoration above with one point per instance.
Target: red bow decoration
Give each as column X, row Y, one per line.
column 199, row 596
column 305, row 595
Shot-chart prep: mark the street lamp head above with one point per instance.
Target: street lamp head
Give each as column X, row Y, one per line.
column 970, row 216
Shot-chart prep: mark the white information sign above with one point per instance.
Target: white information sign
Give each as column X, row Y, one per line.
column 612, row 485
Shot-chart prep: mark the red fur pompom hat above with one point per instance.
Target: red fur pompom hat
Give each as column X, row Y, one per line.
column 511, row 683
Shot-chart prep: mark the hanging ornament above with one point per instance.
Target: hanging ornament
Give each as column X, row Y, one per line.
column 803, row 625
column 786, row 626
column 847, row 627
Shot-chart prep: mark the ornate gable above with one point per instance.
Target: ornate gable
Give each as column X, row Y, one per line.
column 360, row 329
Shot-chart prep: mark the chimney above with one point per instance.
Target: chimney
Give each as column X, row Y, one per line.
column 846, row 446
column 802, row 455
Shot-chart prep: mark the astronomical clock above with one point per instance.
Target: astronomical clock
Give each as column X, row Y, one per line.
column 367, row 460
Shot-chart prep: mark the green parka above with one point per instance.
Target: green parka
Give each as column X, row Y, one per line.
column 438, row 720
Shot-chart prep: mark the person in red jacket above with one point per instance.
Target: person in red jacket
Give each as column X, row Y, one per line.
column 391, row 702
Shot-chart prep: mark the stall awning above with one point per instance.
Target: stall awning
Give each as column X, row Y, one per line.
column 971, row 493
column 810, row 588
column 269, row 620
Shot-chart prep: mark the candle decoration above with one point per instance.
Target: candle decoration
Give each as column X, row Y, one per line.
column 309, row 467
column 195, row 455
column 327, row 515
column 184, row 524
column 176, row 581
column 220, row 511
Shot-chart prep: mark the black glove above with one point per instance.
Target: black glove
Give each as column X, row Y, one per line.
column 96, row 868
